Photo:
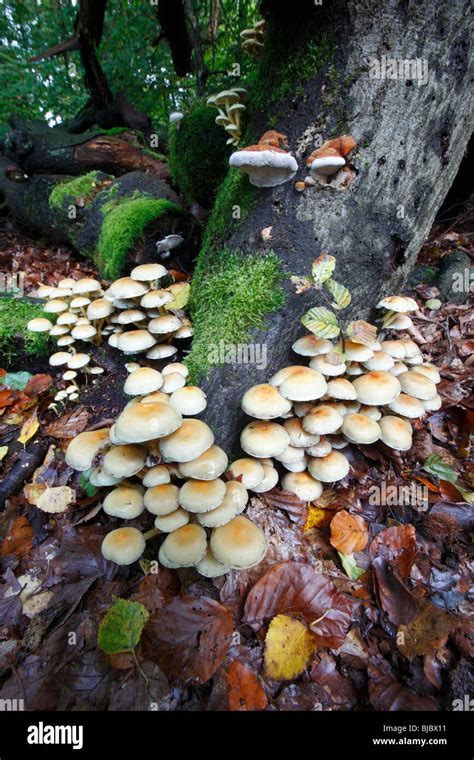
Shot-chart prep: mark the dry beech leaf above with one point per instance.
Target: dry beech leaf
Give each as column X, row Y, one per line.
column 386, row 693
column 193, row 636
column 397, row 546
column 295, row 587
column 289, row 646
column 349, row 533
column 69, row 424
column 428, row 631
column 19, row 538
column 246, row 693
column 55, row 500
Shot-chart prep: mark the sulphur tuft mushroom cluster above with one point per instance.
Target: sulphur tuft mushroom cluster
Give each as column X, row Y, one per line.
column 364, row 390
column 253, row 39
column 158, row 458
column 136, row 314
column 230, row 105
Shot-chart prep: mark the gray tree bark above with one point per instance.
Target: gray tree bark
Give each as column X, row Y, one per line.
column 411, row 139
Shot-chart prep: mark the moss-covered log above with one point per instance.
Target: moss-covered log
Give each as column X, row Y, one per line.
column 326, row 71
column 38, row 149
column 115, row 222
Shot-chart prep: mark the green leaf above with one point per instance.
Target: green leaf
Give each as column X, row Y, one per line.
column 3, row 452
column 323, row 267
column 349, row 564
column 322, row 322
column 86, row 485
column 438, row 467
column 17, row 381
column 122, row 626
column 341, row 295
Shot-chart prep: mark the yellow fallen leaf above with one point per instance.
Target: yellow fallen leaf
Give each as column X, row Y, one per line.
column 29, row 428
column 56, row 499
column 3, row 452
column 180, row 292
column 288, row 647
column 33, row 491
column 317, row 517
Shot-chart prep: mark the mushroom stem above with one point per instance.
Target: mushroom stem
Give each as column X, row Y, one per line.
column 151, row 533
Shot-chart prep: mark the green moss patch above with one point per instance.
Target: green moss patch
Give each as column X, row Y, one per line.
column 234, row 201
column 123, row 226
column 73, row 189
column 15, row 338
column 198, row 154
column 229, row 300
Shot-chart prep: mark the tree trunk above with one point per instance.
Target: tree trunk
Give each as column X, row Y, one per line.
column 411, row 137
column 39, row 149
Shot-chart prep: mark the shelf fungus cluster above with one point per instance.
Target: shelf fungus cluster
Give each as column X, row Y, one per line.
column 268, row 163
column 136, row 314
column 230, row 107
column 364, row 390
column 158, row 458
column 253, row 39
column 329, row 163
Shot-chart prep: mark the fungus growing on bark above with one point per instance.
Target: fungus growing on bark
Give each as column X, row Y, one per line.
column 266, row 163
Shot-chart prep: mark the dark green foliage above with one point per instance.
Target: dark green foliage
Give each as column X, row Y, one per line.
column 198, row 154
column 15, row 339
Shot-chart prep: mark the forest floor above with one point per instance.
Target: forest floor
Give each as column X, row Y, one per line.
column 204, row 645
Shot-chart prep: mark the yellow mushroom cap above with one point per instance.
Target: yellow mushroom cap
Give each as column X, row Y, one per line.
column 172, row 521
column 124, row 461
column 157, row 476
column 185, row 546
column 359, row 428
column 162, row 499
column 123, row 546
column 249, row 471
column 202, row 495
column 239, row 544
column 418, row 385
column 145, row 422
column 189, row 400
column 377, row 387
column 39, row 324
column 322, row 419
column 210, row 567
column 304, row 384
column 334, row 466
column 84, row 447
column 264, row 439
column 269, row 481
column 191, row 440
column 407, row 406
column 233, row 503
column 303, row 485
column 143, row 380
column 396, row 433
column 341, row 389
column 124, row 502
column 211, row 464
column 264, row 402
